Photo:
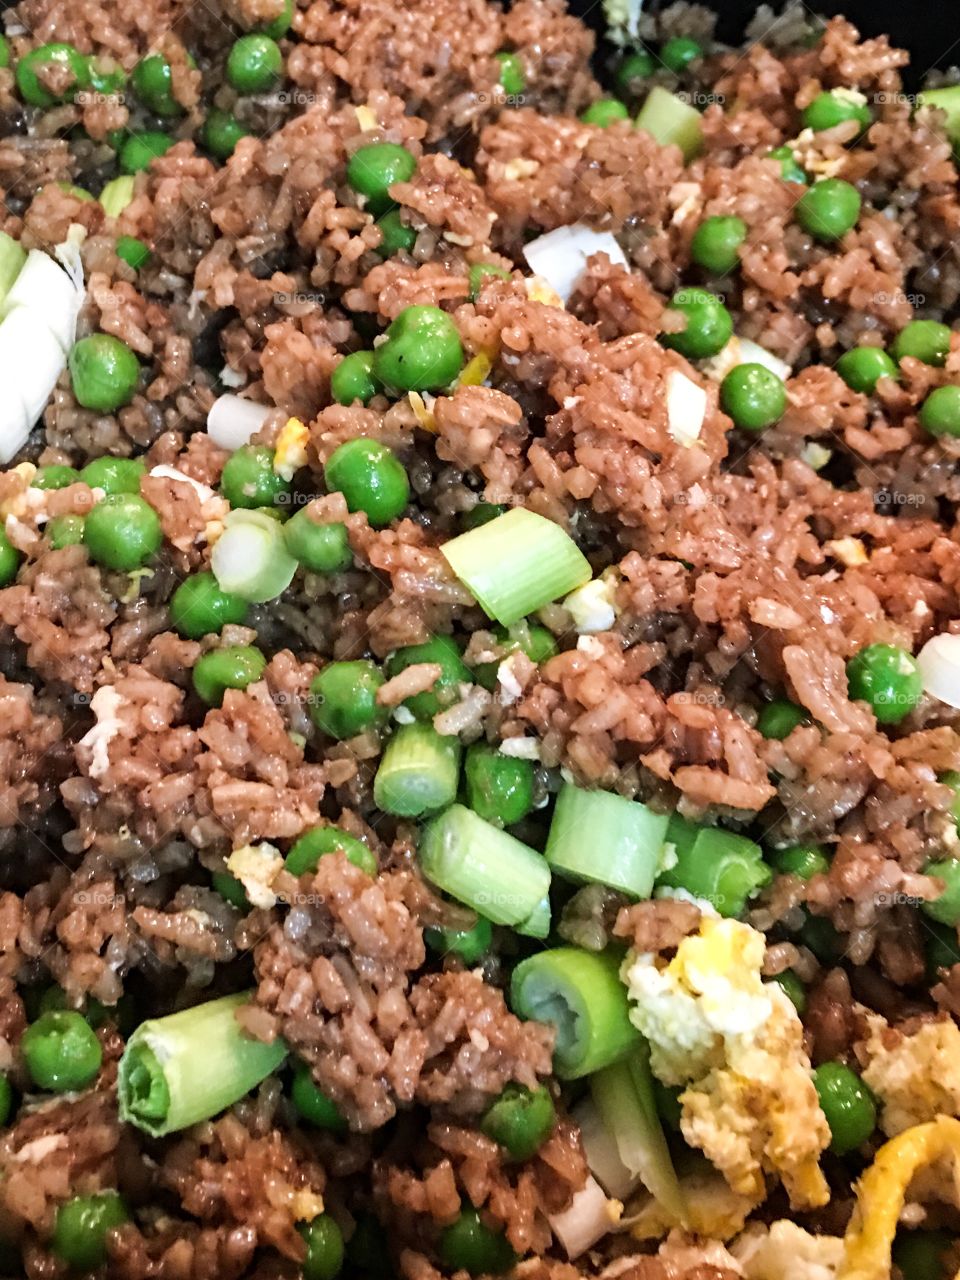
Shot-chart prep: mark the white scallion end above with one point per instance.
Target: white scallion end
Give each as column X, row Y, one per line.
column 939, row 663
column 31, row 361
column 45, row 288
column 591, row 1216
column 600, row 1148
column 560, row 256
column 232, row 420
column 686, row 408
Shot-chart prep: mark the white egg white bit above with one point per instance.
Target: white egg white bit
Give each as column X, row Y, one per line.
column 939, row 663
column 232, row 420
column 38, row 326
column 560, row 257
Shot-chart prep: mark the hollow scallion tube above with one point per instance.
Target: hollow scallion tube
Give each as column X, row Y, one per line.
column 624, row 1096
column 191, row 1065
column 418, row 773
column 718, row 866
column 671, row 122
column 12, row 258
column 250, row 558
column 580, row 994
column 599, row 836
column 485, row 868
column 517, row 563
column 537, row 923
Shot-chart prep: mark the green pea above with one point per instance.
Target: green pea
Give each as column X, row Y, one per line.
column 372, row 170
column 442, row 651
column 200, row 607
column 422, row 351
column 709, row 324
column 54, row 477
column 60, row 1051
column 481, row 514
column 320, row 548
column 324, row 1248
column 633, row 71
column 371, row 477
column 667, row 1100
column 520, row 1120
column 6, row 1099
column 353, row 379
column 312, row 1104
column 886, row 677
column 82, row 1226
column 925, row 340
column 469, row 1245
column 779, row 718
column 513, row 79
column 139, row 150
column 104, row 372
column 941, row 949
column 715, row 244
column 480, row 272
column 230, row 889
column 54, row 998
column 232, row 667
column 278, row 27
column 790, row 171
column 863, row 367
column 343, row 698
column 678, row 52
column 753, row 396
column 468, row 944
column 803, row 860
column 63, row 57
column 833, row 107
column 829, row 209
column 847, row 1104
column 106, row 76
column 396, row 234
column 254, row 64
column 64, row 531
column 951, row 779
column 132, row 251
column 122, row 532
column 499, row 788
column 152, row 81
column 605, row 111
column 940, row 412
column 793, row 989
column 922, row 1255
column 818, row 933
column 114, row 475
column 306, row 853
column 249, row 480
column 946, row 907
column 4, row 51
column 10, row 559
column 221, row 132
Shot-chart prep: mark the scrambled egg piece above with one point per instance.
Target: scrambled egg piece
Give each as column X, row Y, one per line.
column 290, row 453
column 737, row 1044
column 787, row 1252
column 539, row 290
column 476, row 371
column 256, row 866
column 916, row 1077
column 593, row 606
column 423, row 411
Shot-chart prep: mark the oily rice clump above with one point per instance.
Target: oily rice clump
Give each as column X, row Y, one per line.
column 151, row 822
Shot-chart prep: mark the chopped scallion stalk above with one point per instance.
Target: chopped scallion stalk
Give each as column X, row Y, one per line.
column 485, row 868
column 117, row 194
column 12, row 258
column 718, row 866
column 602, row 837
column 418, row 772
column 671, row 122
column 189, row 1066
column 600, row 1148
column 946, row 100
column 581, row 995
column 516, row 563
column 537, row 924
column 250, row 557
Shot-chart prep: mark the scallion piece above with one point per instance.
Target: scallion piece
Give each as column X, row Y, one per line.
column 117, row 194
column 484, row 867
column 671, row 122
column 250, row 557
column 948, row 101
column 418, row 772
column 516, row 563
column 719, row 866
column 189, row 1066
column 12, row 258
column 595, row 835
column 624, row 1096
column 537, row 923
column 581, row 995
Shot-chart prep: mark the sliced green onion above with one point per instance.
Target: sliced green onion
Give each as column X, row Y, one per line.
column 624, row 1096
column 250, row 557
column 117, row 194
column 671, row 122
column 418, row 773
column 189, row 1066
column 516, row 563
column 600, row 1148
column 484, row 867
column 717, row 866
column 12, row 258
column 581, row 995
column 948, row 101
column 537, row 923
column 602, row 837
